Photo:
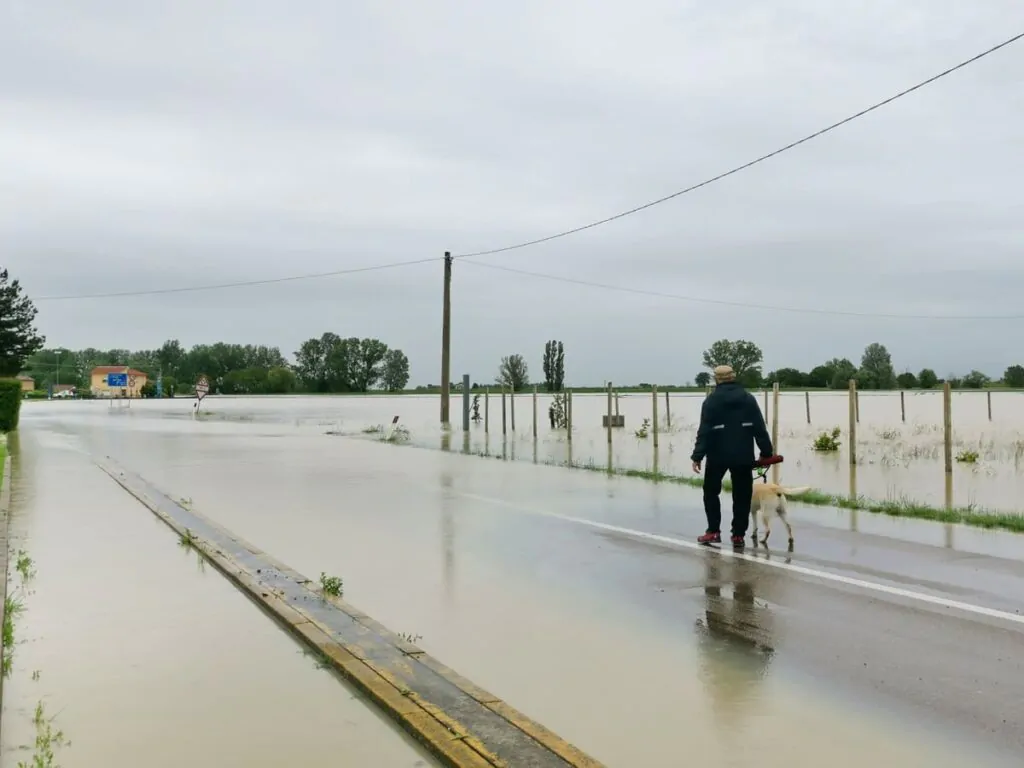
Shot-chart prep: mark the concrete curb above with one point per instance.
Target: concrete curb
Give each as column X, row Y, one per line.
column 5, row 525
column 458, row 722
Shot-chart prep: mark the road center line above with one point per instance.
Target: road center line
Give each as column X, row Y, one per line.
column 849, row 581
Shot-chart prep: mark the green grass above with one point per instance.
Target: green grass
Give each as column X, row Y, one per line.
column 12, row 608
column 331, row 585
column 906, row 508
column 46, row 743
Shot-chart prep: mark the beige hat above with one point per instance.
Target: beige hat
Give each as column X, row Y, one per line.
column 724, row 373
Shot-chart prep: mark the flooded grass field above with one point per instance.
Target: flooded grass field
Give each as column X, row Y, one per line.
column 899, row 463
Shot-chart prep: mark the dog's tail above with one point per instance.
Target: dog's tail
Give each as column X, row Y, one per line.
column 795, row 491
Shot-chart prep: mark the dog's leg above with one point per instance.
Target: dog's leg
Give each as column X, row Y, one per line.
column 766, row 520
column 783, row 513
column 755, row 510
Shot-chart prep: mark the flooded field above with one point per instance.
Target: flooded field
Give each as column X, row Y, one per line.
column 611, row 644
column 129, row 652
column 897, row 460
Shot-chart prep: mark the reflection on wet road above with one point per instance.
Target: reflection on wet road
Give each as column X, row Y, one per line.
column 574, row 597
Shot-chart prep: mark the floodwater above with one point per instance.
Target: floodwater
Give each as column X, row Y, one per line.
column 897, row 460
column 144, row 657
column 637, row 653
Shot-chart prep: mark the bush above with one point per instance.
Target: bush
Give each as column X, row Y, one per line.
column 10, row 404
column 827, row 442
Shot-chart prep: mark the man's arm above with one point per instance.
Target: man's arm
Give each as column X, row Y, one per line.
column 700, row 446
column 761, row 436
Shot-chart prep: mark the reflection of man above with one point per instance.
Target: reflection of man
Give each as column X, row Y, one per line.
column 735, row 635
column 730, row 423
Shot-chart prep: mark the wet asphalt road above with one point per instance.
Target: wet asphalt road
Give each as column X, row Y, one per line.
column 551, row 587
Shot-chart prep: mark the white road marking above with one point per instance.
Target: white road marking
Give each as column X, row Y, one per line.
column 849, row 581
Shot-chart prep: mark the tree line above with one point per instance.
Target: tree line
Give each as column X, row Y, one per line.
column 327, row 364
column 876, row 371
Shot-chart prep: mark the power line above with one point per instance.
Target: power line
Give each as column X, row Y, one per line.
column 749, row 164
column 739, row 304
column 239, row 284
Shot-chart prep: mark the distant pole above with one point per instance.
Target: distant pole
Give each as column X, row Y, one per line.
column 58, row 370
column 654, row 414
column 446, row 339
column 989, row 396
column 775, row 429
column 609, row 413
column 568, row 414
column 512, row 407
column 465, row 402
column 903, row 407
column 504, row 423
column 853, row 422
column 534, row 411
column 807, row 405
column 487, row 410
column 947, row 425
column 668, row 411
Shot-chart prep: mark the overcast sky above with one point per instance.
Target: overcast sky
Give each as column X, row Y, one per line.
column 154, row 145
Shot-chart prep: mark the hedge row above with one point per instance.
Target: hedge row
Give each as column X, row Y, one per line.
column 10, row 404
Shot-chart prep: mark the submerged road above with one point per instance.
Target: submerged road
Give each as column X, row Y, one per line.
column 582, row 600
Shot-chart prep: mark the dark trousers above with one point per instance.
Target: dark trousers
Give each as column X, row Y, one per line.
column 742, row 491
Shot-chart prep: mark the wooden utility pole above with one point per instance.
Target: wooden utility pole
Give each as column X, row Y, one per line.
column 446, row 339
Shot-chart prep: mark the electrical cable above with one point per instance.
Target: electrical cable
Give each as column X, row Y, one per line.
column 749, row 164
column 739, row 304
column 240, row 284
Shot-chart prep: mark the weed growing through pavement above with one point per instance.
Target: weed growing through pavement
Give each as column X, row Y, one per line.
column 331, row 585
column 187, row 540
column 47, row 741
column 409, row 637
column 13, row 607
column 24, row 565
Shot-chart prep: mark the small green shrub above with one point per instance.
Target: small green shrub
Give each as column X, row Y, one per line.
column 827, row 442
column 10, row 404
column 331, row 585
column 644, row 430
column 967, row 456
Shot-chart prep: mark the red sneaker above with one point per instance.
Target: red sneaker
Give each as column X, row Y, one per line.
column 738, row 542
column 711, row 537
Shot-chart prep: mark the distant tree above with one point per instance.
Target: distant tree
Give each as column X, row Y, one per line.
column 513, row 373
column 876, row 371
column 395, row 374
column 702, row 379
column 18, row 335
column 975, row 380
column 820, row 377
column 553, row 365
column 927, row 379
column 906, row 380
column 842, row 371
column 744, row 357
column 280, row 380
column 559, row 367
column 367, row 361
column 787, row 377
column 1014, row 376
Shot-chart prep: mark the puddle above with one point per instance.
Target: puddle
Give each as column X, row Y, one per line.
column 144, row 656
column 486, row 593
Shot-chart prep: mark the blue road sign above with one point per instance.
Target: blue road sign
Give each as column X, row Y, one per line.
column 117, row 380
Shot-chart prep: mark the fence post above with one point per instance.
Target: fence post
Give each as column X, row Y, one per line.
column 856, row 404
column 654, row 412
column 903, row 408
column 534, row 411
column 487, row 410
column 807, row 405
column 988, row 395
column 609, row 413
column 766, row 402
column 465, row 403
column 512, row 408
column 504, row 423
column 616, row 405
column 947, row 425
column 775, row 428
column 853, row 422
column 668, row 411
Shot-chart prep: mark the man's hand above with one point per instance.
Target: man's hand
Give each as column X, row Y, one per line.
column 696, row 467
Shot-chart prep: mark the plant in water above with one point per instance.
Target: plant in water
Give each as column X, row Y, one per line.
column 331, row 585
column 47, row 741
column 409, row 637
column 12, row 608
column 558, row 411
column 398, row 434
column 475, row 416
column 827, row 442
column 24, row 565
column 373, row 429
column 644, row 429
column 188, row 539
column 967, row 456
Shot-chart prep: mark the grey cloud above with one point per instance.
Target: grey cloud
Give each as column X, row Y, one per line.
column 156, row 145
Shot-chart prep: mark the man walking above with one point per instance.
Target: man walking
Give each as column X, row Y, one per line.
column 730, row 423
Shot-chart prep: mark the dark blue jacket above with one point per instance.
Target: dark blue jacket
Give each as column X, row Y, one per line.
column 730, row 424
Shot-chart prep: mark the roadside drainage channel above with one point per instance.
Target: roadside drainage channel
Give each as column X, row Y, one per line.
column 459, row 723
